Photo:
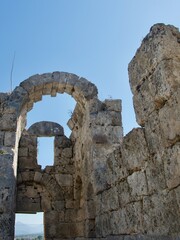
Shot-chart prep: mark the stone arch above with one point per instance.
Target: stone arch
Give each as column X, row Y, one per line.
column 32, row 89
column 45, row 181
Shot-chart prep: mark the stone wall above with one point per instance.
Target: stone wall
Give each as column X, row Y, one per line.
column 102, row 185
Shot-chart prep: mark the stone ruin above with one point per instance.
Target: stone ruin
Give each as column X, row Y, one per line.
column 102, row 185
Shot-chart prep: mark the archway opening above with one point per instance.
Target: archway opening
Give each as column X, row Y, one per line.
column 56, row 109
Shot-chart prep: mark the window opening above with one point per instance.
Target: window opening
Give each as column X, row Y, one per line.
column 29, row 226
column 45, row 151
column 58, row 109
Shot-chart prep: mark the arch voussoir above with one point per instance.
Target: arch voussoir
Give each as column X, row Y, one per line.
column 58, row 82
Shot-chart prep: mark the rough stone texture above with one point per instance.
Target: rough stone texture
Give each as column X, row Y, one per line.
column 102, row 185
column 46, row 129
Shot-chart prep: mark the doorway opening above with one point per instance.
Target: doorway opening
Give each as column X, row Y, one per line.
column 27, row 225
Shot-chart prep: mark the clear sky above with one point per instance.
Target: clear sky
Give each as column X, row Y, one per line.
column 95, row 39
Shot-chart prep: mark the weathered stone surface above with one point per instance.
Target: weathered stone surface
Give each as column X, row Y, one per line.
column 160, row 44
column 101, row 186
column 46, row 129
column 138, row 184
column 9, row 139
column 157, row 208
column 172, row 166
column 134, row 150
column 169, row 117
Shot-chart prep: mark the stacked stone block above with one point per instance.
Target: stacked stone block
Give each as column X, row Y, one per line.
column 102, row 185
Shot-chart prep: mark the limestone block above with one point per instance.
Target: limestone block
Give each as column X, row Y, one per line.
column 103, row 228
column 70, row 215
column 31, row 82
column 3, row 97
column 80, row 214
column 164, row 81
column 29, row 205
column 90, row 229
column 70, row 230
column 61, row 216
column 113, row 133
column 67, row 152
column 137, row 183
column 143, row 103
column 65, row 180
column 58, row 205
column 113, row 105
column 161, row 214
column 7, row 226
column 47, row 88
column 62, row 142
column 160, row 44
column 50, row 231
column 5, row 195
column 70, row 204
column 106, row 118
column 49, row 169
column 116, row 167
column 16, row 101
column 8, row 122
column 37, row 177
column 85, row 88
column 27, row 162
column 7, row 172
column 134, row 150
column 99, row 177
column 23, row 152
column 46, row 178
column 90, row 210
column 110, row 200
column 153, row 134
column 37, row 96
column 31, row 192
column 30, row 105
column 46, row 203
column 61, row 78
column 50, row 217
column 32, row 152
column 124, row 193
column 70, row 83
column 156, row 90
column 171, row 160
column 27, row 140
column 57, row 195
column 169, row 117
column 27, row 176
column 94, row 105
column 133, row 216
column 118, row 222
column 54, row 90
column 98, row 203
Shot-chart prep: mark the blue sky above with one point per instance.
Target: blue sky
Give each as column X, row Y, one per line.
column 95, row 39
